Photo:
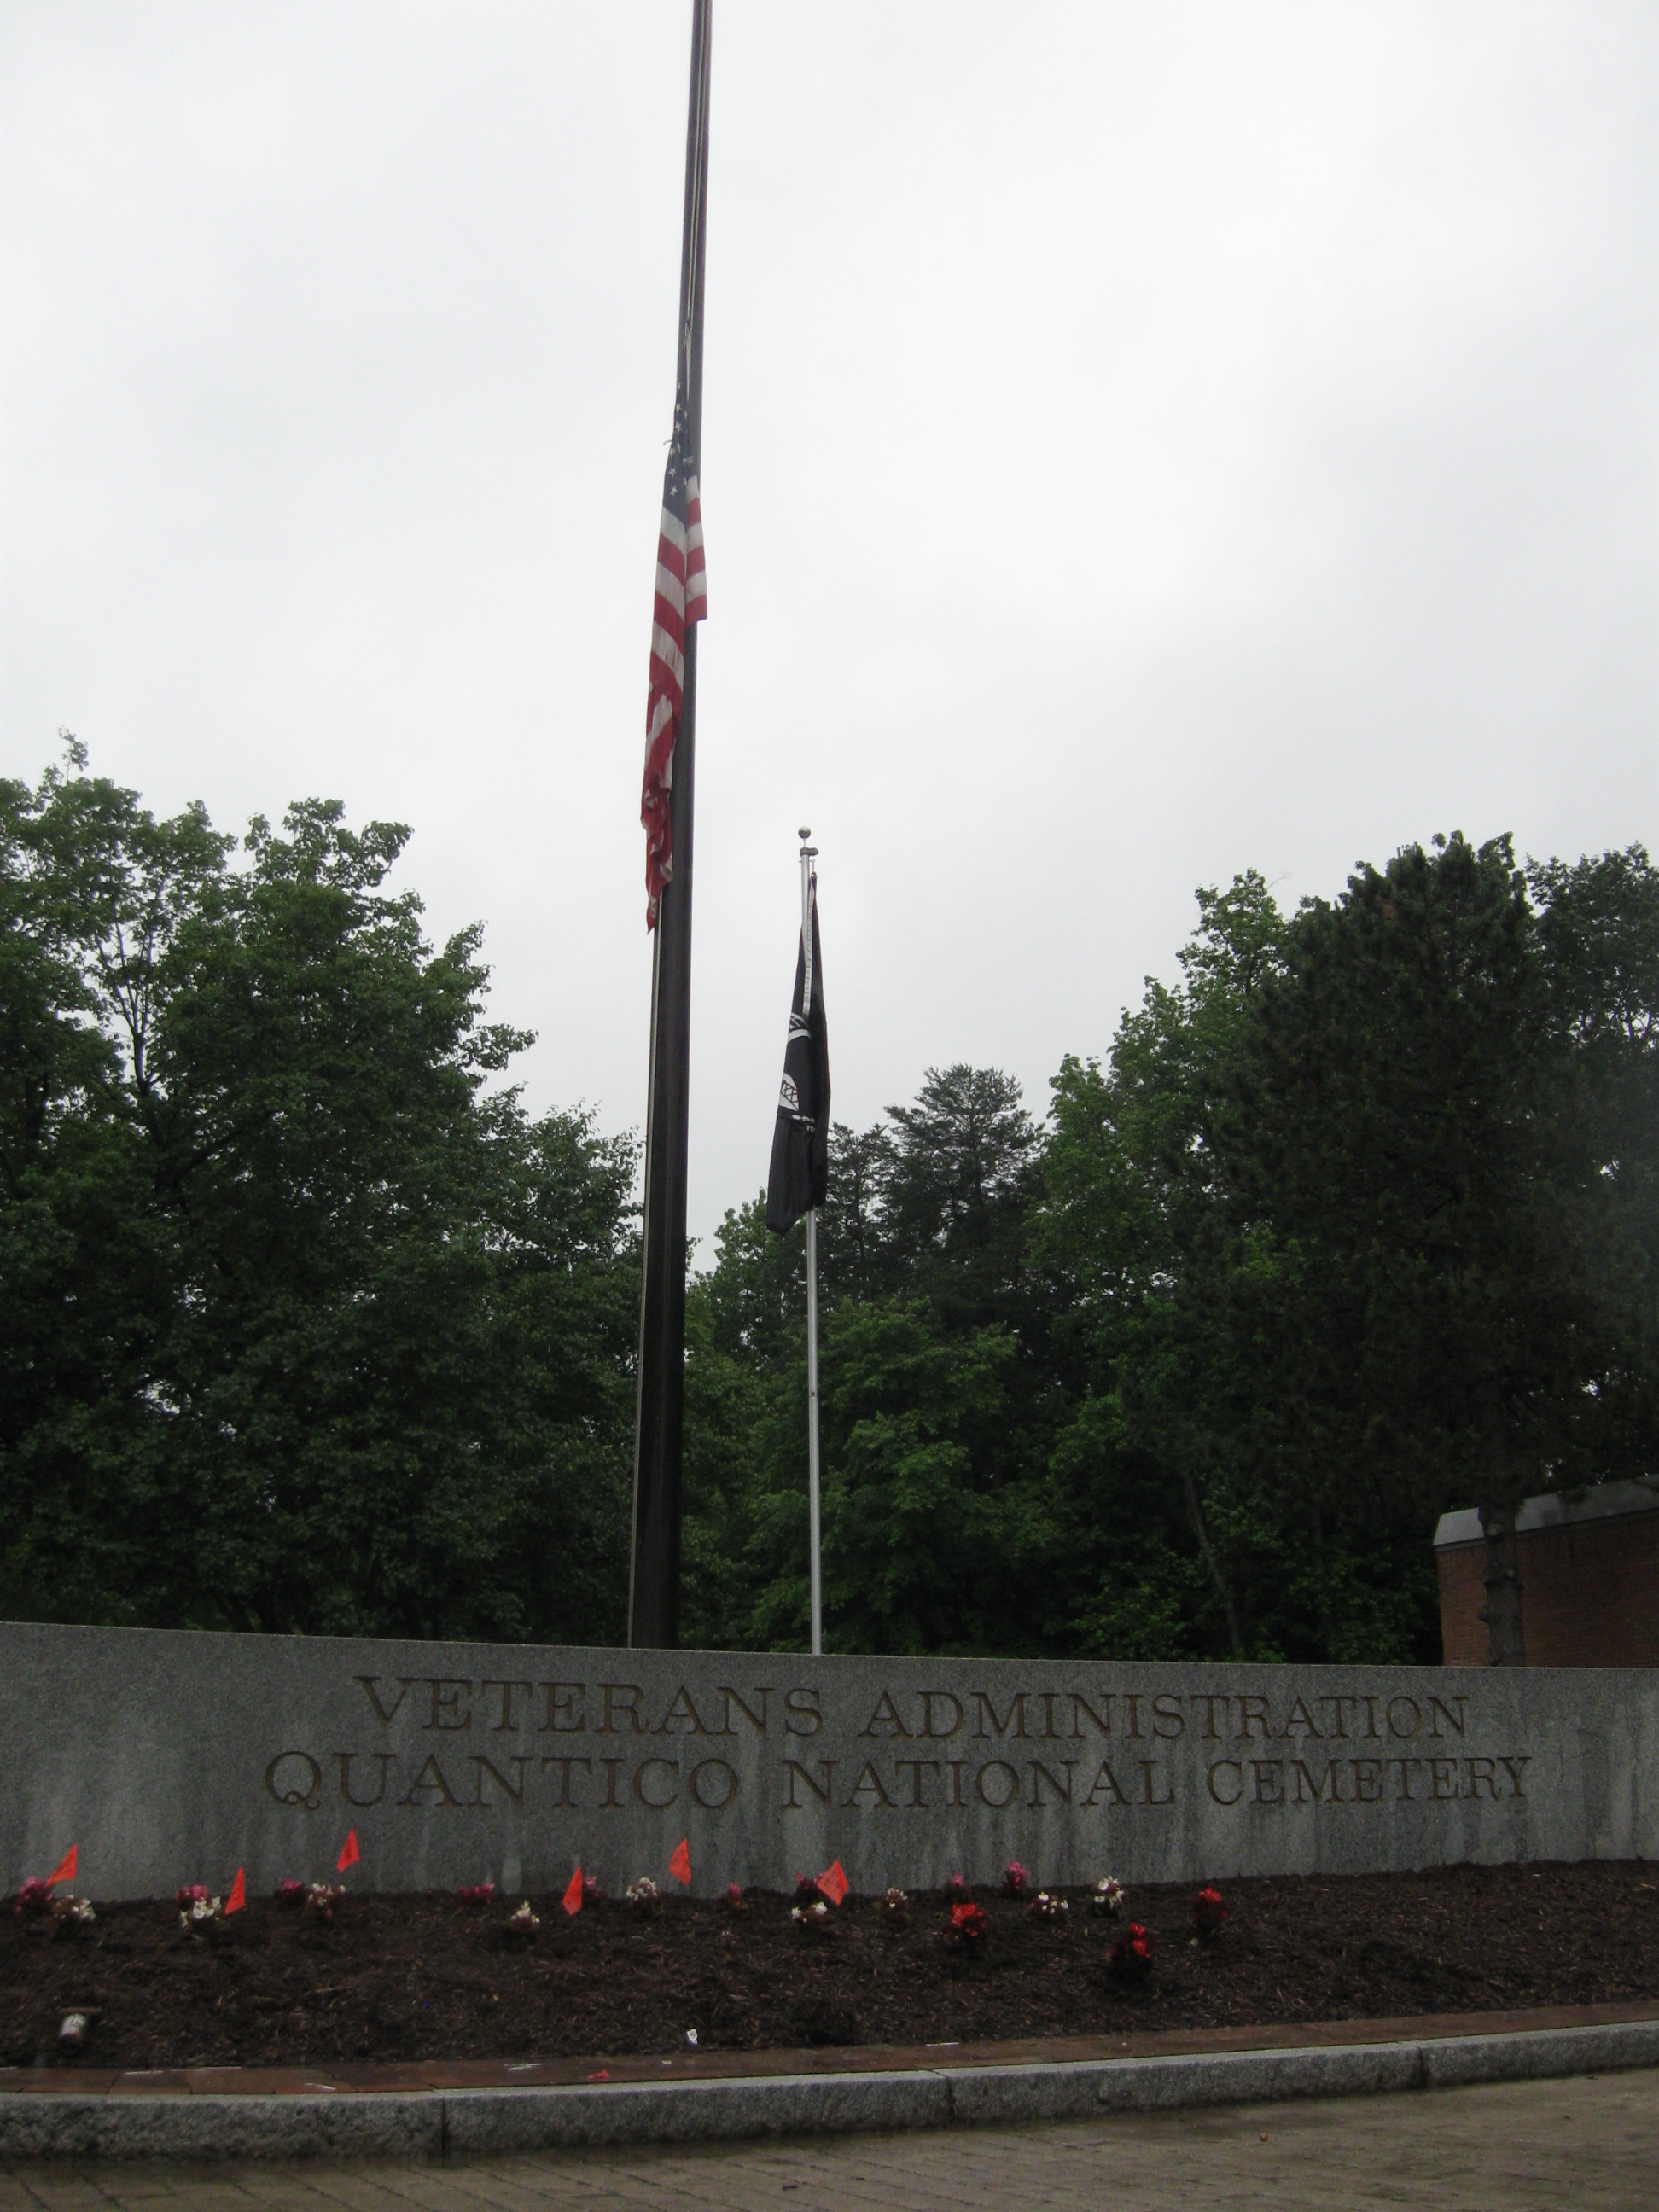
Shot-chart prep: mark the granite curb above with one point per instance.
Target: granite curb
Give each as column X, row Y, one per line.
column 436, row 2124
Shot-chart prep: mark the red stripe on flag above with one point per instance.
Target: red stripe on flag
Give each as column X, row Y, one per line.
column 681, row 578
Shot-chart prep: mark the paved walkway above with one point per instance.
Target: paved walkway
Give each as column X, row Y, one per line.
column 1591, row 2144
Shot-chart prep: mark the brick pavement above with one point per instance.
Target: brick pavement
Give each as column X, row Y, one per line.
column 1591, row 2143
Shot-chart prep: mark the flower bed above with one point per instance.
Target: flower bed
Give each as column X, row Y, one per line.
column 439, row 1975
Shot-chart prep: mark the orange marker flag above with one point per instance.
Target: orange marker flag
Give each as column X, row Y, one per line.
column 66, row 1867
column 680, row 1865
column 835, row 1884
column 573, row 1896
column 238, row 1897
column 350, row 1853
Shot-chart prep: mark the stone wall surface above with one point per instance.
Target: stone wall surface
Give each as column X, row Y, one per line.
column 172, row 1757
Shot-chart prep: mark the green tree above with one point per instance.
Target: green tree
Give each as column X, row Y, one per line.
column 319, row 1330
column 935, row 1527
column 1357, row 1223
column 1423, row 1114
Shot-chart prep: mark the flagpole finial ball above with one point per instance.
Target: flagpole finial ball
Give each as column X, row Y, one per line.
column 803, row 834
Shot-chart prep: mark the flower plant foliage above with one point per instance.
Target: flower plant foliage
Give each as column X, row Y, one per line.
column 1209, row 1914
column 969, row 1927
column 1132, row 1954
column 1356, row 1219
column 524, row 1926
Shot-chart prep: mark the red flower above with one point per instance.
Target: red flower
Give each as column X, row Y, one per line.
column 1208, row 1913
column 1016, row 1881
column 1132, row 1954
column 969, row 1926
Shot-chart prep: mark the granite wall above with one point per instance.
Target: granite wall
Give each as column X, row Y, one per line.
column 177, row 1757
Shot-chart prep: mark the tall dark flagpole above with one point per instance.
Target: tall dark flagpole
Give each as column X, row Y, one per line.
column 653, row 1589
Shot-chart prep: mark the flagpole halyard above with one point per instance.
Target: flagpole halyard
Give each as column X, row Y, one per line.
column 808, row 886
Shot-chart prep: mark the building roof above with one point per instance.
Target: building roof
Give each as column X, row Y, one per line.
column 1602, row 1501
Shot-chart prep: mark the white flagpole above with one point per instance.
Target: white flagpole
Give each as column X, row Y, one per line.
column 808, row 882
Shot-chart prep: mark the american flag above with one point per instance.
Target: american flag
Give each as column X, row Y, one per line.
column 682, row 598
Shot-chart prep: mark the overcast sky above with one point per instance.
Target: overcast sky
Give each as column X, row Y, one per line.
column 1140, row 443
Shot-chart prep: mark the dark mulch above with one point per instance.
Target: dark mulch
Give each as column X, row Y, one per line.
column 427, row 1977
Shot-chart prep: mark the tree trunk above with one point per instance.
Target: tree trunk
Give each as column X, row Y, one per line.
column 1506, row 1642
column 1195, row 1514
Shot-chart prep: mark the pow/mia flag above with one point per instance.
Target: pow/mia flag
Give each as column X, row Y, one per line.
column 801, row 1143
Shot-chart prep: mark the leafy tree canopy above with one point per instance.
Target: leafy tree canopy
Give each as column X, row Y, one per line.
column 309, row 1326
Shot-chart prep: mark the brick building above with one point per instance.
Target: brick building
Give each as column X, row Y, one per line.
column 1589, row 1579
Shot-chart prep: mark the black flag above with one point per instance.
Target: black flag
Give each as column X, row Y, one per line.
column 800, row 1144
